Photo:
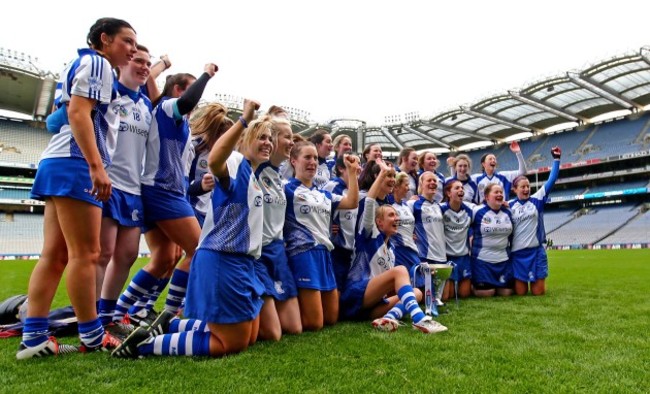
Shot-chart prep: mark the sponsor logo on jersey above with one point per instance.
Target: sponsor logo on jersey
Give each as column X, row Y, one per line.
column 257, row 201
column 95, row 83
column 305, row 209
column 203, row 163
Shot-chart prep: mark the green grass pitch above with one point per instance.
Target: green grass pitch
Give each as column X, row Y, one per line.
column 588, row 334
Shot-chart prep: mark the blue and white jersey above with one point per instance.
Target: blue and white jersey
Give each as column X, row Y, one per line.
column 286, row 171
column 469, row 186
column 528, row 215
column 232, row 224
column 322, row 173
column 275, row 202
column 308, row 216
column 167, row 160
column 388, row 199
column 132, row 111
column 429, row 229
column 89, row 76
column 372, row 255
column 457, row 228
column 198, row 168
column 492, row 232
column 346, row 219
column 331, row 163
column 406, row 227
column 503, row 178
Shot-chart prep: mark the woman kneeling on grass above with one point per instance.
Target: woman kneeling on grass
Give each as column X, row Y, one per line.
column 373, row 274
column 223, row 289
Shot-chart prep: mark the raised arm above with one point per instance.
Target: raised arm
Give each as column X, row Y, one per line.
column 555, row 170
column 224, row 146
column 162, row 65
column 192, row 95
column 514, row 147
column 351, row 199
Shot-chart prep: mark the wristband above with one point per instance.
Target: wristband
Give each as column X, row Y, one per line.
column 243, row 122
column 167, row 65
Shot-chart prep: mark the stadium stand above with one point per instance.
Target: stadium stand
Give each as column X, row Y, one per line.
column 600, row 198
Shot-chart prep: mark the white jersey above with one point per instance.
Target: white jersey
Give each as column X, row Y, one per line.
column 275, row 202
column 89, row 76
column 528, row 215
column 503, row 178
column 232, row 224
column 308, row 216
column 406, row 227
column 457, row 228
column 198, row 168
column 132, row 111
column 492, row 234
column 429, row 229
column 469, row 187
column 372, row 255
column 168, row 149
column 346, row 219
column 322, row 173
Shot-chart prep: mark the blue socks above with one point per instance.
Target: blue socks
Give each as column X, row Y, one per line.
column 189, row 343
column 407, row 297
column 177, row 290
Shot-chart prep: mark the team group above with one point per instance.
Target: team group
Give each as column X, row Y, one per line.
column 273, row 237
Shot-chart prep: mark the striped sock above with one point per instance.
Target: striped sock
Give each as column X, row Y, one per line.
column 396, row 312
column 182, row 325
column 153, row 297
column 105, row 310
column 140, row 285
column 406, row 295
column 91, row 333
column 139, row 304
column 177, row 290
column 35, row 331
column 188, row 343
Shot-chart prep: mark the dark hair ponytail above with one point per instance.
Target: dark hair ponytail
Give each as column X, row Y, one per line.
column 109, row 26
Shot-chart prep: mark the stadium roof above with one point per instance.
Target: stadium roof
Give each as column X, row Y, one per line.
column 619, row 85
column 24, row 86
column 567, row 101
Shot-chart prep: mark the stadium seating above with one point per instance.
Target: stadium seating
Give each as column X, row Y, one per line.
column 21, row 143
column 555, row 219
column 636, row 231
column 593, row 226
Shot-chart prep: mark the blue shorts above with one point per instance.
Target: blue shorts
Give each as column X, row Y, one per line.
column 341, row 261
column 125, row 208
column 63, row 177
column 462, row 267
column 273, row 271
column 223, row 288
column 530, row 264
column 313, row 269
column 351, row 302
column 495, row 274
column 408, row 258
column 160, row 204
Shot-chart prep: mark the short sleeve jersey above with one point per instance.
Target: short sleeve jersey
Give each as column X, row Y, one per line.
column 232, row 224
column 89, row 76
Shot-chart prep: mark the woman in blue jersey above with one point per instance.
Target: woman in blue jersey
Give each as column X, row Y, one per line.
column 492, row 236
column 407, row 162
column 428, row 161
column 206, row 127
column 461, row 166
column 223, row 288
column 73, row 182
column 529, row 261
column 491, row 175
column 322, row 140
column 376, row 288
column 169, row 219
column 306, row 233
column 429, row 229
column 280, row 312
column 344, row 222
column 406, row 251
column 457, row 218
column 122, row 213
